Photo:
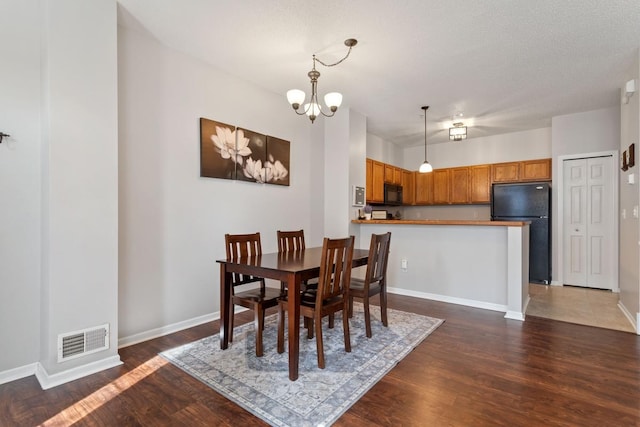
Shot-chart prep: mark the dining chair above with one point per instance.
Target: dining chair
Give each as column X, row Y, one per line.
column 375, row 280
column 258, row 299
column 292, row 241
column 330, row 297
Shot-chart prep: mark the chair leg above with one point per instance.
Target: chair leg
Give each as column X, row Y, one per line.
column 233, row 315
column 367, row 315
column 332, row 319
column 259, row 326
column 347, row 335
column 280, row 329
column 319, row 344
column 383, row 306
column 309, row 327
column 350, row 305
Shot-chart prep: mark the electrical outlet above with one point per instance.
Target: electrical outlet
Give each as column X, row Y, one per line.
column 404, row 264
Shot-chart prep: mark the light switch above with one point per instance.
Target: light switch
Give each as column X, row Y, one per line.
column 404, row 264
column 631, row 178
column 624, row 214
column 635, row 211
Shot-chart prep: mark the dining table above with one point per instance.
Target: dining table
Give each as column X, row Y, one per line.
column 293, row 268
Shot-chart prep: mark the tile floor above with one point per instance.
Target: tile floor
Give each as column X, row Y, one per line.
column 584, row 306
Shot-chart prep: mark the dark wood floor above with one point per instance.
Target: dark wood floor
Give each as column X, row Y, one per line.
column 477, row 369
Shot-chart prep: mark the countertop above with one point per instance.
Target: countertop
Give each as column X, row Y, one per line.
column 441, row 222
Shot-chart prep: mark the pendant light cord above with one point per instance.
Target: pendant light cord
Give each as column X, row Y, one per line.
column 425, row 108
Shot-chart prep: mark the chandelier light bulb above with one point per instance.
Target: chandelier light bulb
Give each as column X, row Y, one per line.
column 333, row 100
column 295, row 98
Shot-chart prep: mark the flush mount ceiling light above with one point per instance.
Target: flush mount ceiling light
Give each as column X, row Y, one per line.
column 425, row 167
column 333, row 100
column 458, row 132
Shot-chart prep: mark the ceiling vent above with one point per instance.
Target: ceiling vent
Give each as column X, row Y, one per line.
column 81, row 343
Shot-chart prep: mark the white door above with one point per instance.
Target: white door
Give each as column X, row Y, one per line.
column 589, row 255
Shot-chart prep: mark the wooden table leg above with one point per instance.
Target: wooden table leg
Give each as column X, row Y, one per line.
column 293, row 311
column 225, row 306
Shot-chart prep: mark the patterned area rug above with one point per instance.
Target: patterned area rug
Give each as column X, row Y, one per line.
column 319, row 396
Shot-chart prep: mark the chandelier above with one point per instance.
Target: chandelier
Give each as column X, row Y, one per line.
column 333, row 99
column 458, row 132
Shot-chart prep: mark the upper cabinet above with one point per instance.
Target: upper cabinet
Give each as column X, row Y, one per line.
column 535, row 170
column 480, row 184
column 527, row 170
column 505, row 172
column 423, row 188
column 452, row 186
column 392, row 174
column 375, row 181
column 459, row 186
column 408, row 187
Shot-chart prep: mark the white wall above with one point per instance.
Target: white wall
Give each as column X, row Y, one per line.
column 575, row 134
column 630, row 198
column 59, row 226
column 172, row 222
column 80, row 178
column 384, row 151
column 526, row 145
column 20, row 191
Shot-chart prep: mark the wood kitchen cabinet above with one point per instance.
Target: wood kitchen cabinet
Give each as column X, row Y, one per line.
column 505, row 172
column 526, row 170
column 480, row 184
column 535, row 170
column 459, row 186
column 408, row 187
column 375, row 181
column 392, row 174
column 441, row 186
column 423, row 188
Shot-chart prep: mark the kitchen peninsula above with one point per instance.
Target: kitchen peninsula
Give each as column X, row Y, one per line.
column 482, row 264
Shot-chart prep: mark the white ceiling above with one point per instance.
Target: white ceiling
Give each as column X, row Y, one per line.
column 508, row 65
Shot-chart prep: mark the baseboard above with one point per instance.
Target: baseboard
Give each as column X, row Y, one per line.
column 169, row 329
column 448, row 299
column 556, row 283
column 17, row 373
column 514, row 315
column 48, row 381
column 629, row 316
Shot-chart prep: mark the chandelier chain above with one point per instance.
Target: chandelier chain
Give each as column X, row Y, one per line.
column 336, row 63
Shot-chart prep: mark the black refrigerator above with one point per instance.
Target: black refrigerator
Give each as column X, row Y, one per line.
column 528, row 202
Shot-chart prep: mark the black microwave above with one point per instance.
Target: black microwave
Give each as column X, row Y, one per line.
column 392, row 194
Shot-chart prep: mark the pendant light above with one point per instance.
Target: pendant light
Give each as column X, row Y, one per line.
column 425, row 167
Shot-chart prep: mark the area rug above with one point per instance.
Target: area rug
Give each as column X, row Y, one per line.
column 319, row 396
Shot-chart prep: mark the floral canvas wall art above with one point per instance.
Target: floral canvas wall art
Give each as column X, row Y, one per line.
column 252, row 166
column 218, row 152
column 277, row 165
column 229, row 152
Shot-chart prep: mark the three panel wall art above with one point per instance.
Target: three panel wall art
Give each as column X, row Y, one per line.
column 230, row 152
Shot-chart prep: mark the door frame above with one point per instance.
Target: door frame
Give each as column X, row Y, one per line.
column 559, row 185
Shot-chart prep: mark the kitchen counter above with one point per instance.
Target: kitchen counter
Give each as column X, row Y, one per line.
column 440, row 222
column 483, row 264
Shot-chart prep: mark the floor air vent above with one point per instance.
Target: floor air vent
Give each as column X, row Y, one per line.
column 81, row 343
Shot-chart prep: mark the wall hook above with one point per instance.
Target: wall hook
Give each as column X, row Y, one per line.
column 2, row 135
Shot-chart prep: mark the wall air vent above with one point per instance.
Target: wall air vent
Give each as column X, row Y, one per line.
column 80, row 343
